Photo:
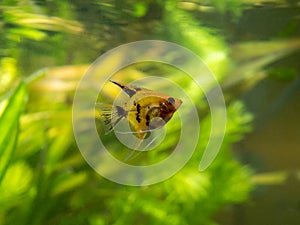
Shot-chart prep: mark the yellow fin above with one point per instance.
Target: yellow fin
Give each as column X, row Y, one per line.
column 108, row 114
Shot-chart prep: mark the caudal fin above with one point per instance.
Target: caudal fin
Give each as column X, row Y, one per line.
column 108, row 114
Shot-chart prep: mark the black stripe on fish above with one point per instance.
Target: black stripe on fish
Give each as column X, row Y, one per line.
column 147, row 120
column 126, row 89
column 138, row 109
column 121, row 111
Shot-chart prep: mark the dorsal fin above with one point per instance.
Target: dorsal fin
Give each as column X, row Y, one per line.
column 128, row 90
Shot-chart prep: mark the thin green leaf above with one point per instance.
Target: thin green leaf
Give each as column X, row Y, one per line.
column 9, row 125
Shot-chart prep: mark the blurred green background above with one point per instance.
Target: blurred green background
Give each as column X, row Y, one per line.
column 252, row 46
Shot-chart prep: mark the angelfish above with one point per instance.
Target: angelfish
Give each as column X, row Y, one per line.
column 145, row 110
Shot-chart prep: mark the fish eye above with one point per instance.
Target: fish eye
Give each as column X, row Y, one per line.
column 171, row 100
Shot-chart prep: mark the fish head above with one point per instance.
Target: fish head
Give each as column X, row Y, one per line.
column 168, row 107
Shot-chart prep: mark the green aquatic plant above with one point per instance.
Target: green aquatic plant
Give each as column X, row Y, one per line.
column 43, row 177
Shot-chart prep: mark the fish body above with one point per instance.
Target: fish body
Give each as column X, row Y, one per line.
column 146, row 110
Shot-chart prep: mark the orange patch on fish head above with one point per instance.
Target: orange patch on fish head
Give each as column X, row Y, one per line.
column 168, row 107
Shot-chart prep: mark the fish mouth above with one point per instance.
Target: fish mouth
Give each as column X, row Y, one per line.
column 177, row 104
